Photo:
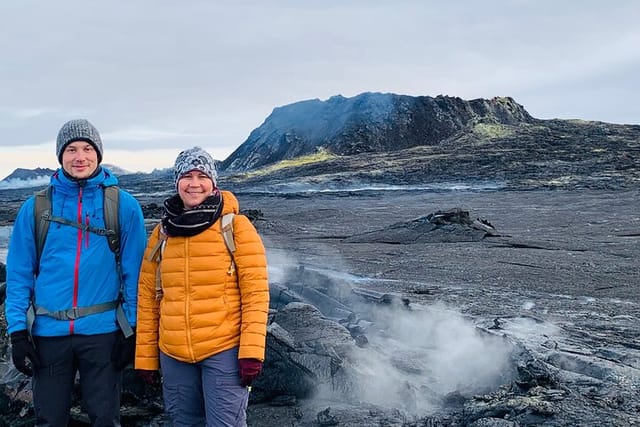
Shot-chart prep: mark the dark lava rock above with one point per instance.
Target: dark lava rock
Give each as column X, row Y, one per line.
column 523, row 155
column 561, row 298
column 453, row 225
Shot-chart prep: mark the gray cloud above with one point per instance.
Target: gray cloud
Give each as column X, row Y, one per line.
column 210, row 72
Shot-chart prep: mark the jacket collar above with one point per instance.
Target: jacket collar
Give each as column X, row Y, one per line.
column 104, row 178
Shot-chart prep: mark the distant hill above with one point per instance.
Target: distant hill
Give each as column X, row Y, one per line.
column 117, row 171
column 28, row 174
column 26, row 178
column 367, row 123
column 386, row 139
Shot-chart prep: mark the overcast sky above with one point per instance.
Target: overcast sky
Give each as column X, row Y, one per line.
column 158, row 76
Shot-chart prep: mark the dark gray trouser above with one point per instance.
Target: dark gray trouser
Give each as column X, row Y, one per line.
column 100, row 383
column 204, row 393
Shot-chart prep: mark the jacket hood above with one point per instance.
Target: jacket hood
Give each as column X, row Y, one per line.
column 231, row 204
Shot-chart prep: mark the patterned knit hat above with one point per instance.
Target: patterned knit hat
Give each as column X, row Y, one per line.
column 195, row 159
column 78, row 130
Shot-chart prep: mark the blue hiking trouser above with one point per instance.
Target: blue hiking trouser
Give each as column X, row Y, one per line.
column 204, row 393
column 53, row 381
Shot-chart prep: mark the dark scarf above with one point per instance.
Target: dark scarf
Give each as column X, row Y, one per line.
column 178, row 221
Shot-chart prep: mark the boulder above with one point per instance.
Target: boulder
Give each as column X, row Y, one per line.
column 453, row 225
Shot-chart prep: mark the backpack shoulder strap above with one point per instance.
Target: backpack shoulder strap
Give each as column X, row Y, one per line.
column 111, row 207
column 111, row 218
column 227, row 232
column 155, row 255
column 226, row 225
column 42, row 213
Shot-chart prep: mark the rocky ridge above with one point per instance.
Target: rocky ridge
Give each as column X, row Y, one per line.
column 367, row 123
column 549, row 154
column 22, row 173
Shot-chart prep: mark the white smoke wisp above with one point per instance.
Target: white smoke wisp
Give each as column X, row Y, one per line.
column 24, row 183
column 421, row 356
column 277, row 263
column 281, row 261
column 415, row 356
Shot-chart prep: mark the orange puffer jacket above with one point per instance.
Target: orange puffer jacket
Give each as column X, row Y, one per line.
column 206, row 307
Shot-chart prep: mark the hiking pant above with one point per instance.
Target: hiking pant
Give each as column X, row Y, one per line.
column 53, row 381
column 204, row 393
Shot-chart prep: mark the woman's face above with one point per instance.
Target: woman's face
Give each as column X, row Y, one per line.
column 194, row 187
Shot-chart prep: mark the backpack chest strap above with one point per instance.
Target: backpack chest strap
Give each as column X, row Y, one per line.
column 74, row 313
column 84, row 227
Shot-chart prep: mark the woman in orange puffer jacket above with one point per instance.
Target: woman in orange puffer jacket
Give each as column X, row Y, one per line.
column 202, row 311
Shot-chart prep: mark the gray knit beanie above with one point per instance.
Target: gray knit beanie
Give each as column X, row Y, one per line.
column 78, row 130
column 195, row 159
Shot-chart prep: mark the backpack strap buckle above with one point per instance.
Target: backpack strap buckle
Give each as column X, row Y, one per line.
column 72, row 313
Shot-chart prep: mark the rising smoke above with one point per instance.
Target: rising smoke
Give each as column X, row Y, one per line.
column 416, row 357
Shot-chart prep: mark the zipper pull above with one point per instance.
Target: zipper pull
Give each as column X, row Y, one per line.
column 232, row 268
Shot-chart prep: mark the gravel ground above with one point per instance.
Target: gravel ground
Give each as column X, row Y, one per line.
column 561, row 280
column 581, row 244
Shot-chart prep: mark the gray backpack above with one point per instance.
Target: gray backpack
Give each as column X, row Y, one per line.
column 43, row 218
column 226, row 228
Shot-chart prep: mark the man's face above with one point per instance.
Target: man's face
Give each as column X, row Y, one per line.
column 79, row 159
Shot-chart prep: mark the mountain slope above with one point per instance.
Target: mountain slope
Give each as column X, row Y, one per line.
column 554, row 154
column 367, row 123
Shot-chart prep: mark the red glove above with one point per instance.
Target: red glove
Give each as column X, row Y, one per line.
column 249, row 370
column 151, row 378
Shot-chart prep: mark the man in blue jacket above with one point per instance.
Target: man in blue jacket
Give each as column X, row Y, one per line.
column 76, row 292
